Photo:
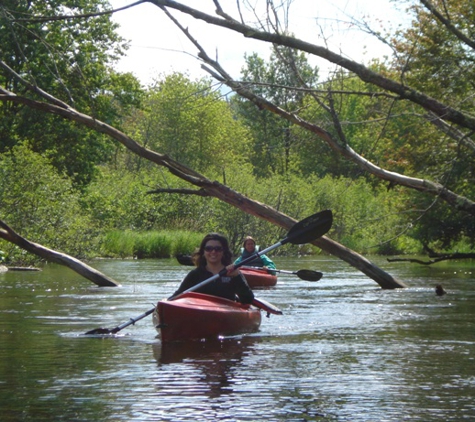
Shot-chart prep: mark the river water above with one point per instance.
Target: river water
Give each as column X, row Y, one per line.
column 344, row 350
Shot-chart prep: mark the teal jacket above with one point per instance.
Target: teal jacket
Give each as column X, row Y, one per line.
column 260, row 261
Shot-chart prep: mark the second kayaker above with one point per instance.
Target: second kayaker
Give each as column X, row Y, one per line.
column 250, row 248
column 212, row 257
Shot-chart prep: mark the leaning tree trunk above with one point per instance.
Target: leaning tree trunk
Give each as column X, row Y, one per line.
column 385, row 280
column 86, row 271
column 207, row 187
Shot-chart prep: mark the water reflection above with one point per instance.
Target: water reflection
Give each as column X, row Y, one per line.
column 344, row 349
column 211, row 364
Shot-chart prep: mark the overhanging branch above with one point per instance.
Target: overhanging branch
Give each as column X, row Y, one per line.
column 199, row 192
column 436, row 189
column 8, row 234
column 405, row 92
column 214, row 189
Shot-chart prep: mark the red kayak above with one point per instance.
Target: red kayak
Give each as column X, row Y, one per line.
column 258, row 277
column 196, row 316
column 255, row 277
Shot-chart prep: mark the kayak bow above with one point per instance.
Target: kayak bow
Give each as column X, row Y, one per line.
column 194, row 316
column 258, row 277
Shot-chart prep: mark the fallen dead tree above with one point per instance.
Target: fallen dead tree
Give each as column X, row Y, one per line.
column 205, row 186
column 8, row 234
column 436, row 258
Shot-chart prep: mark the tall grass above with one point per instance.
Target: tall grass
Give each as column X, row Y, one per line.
column 152, row 244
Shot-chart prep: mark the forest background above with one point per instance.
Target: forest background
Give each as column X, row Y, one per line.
column 71, row 189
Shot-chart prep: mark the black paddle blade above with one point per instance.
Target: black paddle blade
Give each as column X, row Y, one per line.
column 115, row 330
column 309, row 275
column 185, row 259
column 103, row 331
column 99, row 331
column 310, row 228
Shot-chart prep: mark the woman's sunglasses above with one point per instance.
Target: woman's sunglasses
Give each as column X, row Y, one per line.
column 213, row 248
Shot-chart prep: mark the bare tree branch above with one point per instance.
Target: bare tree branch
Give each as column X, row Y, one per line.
column 452, row 132
column 448, row 24
column 405, row 92
column 76, row 16
column 434, row 261
column 457, row 201
column 30, row 86
column 210, row 188
column 8, row 234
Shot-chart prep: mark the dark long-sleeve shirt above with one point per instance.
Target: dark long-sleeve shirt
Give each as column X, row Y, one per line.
column 226, row 287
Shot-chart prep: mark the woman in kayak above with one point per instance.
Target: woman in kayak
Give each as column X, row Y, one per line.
column 249, row 248
column 213, row 256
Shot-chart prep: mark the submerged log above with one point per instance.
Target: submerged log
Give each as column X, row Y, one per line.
column 7, row 233
column 23, row 269
column 439, row 290
column 435, row 257
column 442, row 257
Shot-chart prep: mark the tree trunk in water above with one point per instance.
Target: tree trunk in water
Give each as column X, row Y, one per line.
column 57, row 257
column 385, row 280
column 210, row 188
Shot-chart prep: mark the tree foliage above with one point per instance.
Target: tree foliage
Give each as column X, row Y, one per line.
column 190, row 122
column 388, row 144
column 72, row 60
column 275, row 143
column 45, row 209
column 414, row 123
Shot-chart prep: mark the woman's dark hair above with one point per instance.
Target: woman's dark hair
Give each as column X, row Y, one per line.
column 199, row 256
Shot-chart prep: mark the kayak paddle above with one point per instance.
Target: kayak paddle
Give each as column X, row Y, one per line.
column 307, row 275
column 131, row 321
column 185, row 260
column 304, row 231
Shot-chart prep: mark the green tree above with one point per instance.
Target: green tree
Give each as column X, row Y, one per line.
column 191, row 123
column 119, row 199
column 428, row 174
column 275, row 142
column 351, row 148
column 43, row 209
column 437, row 55
column 72, row 60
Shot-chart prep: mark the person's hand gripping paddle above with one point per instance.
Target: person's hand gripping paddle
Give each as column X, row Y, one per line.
column 305, row 231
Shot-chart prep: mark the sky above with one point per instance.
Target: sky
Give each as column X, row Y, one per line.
column 158, row 47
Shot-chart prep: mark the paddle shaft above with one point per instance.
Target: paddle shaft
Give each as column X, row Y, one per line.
column 302, row 232
column 115, row 330
column 132, row 321
column 224, row 270
column 271, row 269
